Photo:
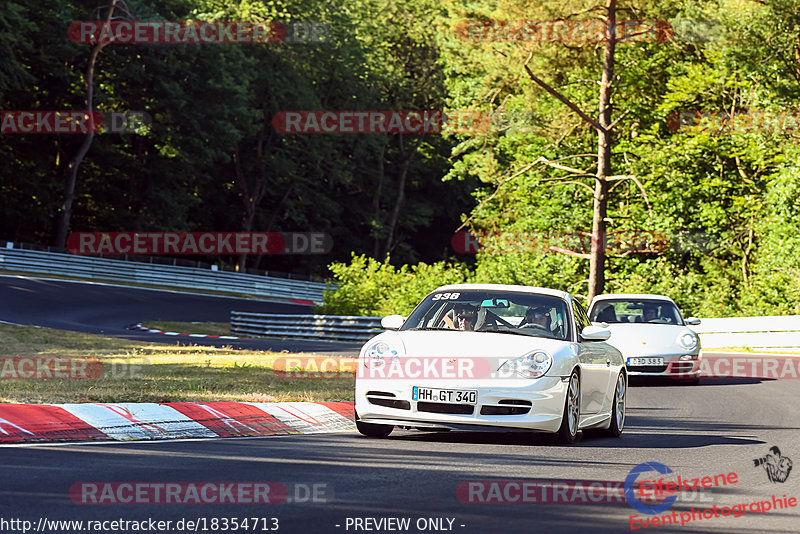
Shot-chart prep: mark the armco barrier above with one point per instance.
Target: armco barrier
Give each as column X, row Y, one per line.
column 158, row 275
column 714, row 333
column 767, row 332
column 317, row 327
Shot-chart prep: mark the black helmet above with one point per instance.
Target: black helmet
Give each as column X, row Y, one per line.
column 466, row 310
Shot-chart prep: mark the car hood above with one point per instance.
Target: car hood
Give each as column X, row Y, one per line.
column 457, row 343
column 647, row 339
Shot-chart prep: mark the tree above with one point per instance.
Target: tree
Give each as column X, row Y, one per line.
column 75, row 162
column 547, row 151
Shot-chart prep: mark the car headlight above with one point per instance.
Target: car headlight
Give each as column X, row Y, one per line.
column 532, row 365
column 688, row 341
column 379, row 354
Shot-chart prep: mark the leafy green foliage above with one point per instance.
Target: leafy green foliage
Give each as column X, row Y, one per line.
column 373, row 288
column 727, row 200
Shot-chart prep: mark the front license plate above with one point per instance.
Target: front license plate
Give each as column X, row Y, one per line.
column 451, row 396
column 645, row 361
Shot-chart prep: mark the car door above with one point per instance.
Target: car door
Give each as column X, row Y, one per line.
column 595, row 373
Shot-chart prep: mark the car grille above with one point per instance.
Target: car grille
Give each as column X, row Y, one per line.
column 648, row 368
column 379, row 398
column 441, row 407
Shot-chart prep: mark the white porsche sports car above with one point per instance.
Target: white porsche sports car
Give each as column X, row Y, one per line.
column 491, row 357
column 651, row 333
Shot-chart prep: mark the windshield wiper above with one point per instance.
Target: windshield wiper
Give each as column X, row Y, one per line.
column 515, row 332
column 519, row 333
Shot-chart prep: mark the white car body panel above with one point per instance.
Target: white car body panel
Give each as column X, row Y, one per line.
column 635, row 340
column 598, row 362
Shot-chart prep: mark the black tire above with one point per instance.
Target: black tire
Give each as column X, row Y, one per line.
column 568, row 432
column 618, row 407
column 372, row 430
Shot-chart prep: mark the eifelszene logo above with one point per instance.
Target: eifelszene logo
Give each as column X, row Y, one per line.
column 630, row 494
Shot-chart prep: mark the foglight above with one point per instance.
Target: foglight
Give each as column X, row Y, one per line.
column 379, row 354
column 532, row 365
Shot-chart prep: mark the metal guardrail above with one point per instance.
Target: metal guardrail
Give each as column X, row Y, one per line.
column 158, row 275
column 714, row 333
column 762, row 332
column 307, row 327
column 186, row 261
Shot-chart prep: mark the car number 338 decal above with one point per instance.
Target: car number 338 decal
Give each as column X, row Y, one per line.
column 446, row 296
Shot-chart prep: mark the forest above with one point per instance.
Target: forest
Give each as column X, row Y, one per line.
column 690, row 140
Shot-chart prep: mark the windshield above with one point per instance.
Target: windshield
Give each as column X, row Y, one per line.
column 492, row 311
column 636, row 311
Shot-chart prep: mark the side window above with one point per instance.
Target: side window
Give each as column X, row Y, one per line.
column 584, row 316
column 581, row 318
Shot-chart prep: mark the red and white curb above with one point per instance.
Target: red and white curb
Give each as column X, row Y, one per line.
column 141, row 328
column 137, row 421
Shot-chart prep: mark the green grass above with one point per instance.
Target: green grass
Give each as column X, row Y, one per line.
column 136, row 371
column 773, row 350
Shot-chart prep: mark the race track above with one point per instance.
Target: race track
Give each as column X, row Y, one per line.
column 719, row 427
column 109, row 310
column 696, row 431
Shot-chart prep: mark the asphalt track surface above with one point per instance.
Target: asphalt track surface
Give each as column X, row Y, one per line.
column 715, row 428
column 711, row 429
column 96, row 308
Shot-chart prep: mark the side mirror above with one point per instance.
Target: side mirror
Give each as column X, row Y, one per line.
column 693, row 321
column 594, row 333
column 392, row 322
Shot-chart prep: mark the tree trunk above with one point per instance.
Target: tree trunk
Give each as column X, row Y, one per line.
column 797, row 57
column 376, row 204
column 72, row 168
column 252, row 194
column 405, row 163
column 604, row 144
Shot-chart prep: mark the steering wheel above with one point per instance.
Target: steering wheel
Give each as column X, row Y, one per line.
column 538, row 327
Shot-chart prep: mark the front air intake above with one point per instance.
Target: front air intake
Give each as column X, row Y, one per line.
column 440, row 407
column 509, row 407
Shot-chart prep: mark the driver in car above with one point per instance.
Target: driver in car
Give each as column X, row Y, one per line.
column 649, row 313
column 537, row 315
column 465, row 316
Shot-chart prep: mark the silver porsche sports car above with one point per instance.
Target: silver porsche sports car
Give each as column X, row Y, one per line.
column 651, row 333
column 491, row 357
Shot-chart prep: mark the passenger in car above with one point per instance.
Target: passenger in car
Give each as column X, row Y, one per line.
column 608, row 315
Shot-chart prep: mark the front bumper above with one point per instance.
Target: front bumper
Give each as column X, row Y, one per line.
column 514, row 404
column 686, row 366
